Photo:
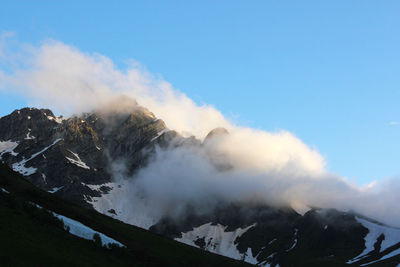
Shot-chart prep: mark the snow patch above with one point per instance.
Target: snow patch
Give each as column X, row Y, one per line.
column 56, row 119
column 265, row 263
column 29, row 136
column 140, row 215
column 44, row 178
column 159, row 134
column 272, row 241
column 391, row 237
column 96, row 187
column 391, row 254
column 44, row 149
column 248, row 257
column 218, row 241
column 78, row 162
column 3, row 190
column 55, row 189
column 20, row 167
column 79, row 229
column 294, row 242
column 8, row 147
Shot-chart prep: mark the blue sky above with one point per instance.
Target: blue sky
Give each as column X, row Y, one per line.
column 328, row 71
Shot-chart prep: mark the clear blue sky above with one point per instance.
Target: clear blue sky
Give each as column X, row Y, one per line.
column 328, row 71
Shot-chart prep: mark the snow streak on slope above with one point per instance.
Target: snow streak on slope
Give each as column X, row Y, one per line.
column 159, row 134
column 55, row 189
column 29, row 136
column 56, row 119
column 26, row 171
column 77, row 161
column 218, row 241
column 81, row 230
column 391, row 237
column 4, row 191
column 391, row 254
column 294, row 242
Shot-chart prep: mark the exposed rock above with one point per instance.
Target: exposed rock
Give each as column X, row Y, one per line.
column 220, row 131
column 86, row 146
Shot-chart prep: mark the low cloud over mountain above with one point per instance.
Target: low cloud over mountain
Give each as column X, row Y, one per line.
column 244, row 165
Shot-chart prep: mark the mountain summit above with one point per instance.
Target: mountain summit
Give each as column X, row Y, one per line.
column 65, row 156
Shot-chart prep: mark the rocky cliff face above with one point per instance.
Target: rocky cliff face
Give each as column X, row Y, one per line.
column 77, row 158
column 67, row 156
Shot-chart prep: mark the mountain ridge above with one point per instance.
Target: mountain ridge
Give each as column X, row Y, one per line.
column 77, row 159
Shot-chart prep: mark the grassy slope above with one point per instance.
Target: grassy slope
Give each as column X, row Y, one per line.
column 32, row 237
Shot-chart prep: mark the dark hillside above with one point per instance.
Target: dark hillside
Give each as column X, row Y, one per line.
column 34, row 237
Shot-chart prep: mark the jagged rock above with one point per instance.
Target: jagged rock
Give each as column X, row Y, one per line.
column 63, row 156
column 220, row 131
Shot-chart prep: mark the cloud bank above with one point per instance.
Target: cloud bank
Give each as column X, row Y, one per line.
column 63, row 78
column 187, row 175
column 263, row 166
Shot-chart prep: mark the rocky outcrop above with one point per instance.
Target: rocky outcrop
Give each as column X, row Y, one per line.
column 65, row 156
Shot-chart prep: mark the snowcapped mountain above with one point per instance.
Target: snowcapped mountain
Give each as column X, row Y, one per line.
column 80, row 158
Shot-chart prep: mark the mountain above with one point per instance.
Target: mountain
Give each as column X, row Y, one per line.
column 78, row 158
column 66, row 156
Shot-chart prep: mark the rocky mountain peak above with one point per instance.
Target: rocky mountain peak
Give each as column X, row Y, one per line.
column 27, row 123
column 219, row 131
column 67, row 156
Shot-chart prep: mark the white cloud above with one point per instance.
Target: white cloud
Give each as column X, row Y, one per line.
column 269, row 167
column 3, row 41
column 394, row 123
column 63, row 78
column 185, row 175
